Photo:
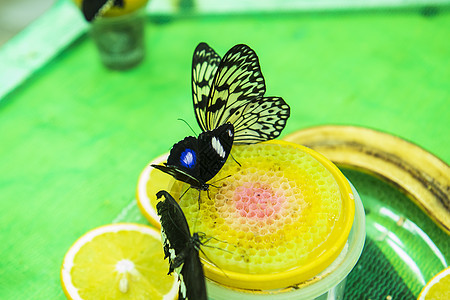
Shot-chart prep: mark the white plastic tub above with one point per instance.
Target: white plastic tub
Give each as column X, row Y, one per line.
column 328, row 285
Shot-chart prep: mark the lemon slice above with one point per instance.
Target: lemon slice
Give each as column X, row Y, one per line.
column 128, row 7
column 438, row 287
column 118, row 261
column 150, row 182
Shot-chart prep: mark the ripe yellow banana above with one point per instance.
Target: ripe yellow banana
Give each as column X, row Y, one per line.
column 423, row 176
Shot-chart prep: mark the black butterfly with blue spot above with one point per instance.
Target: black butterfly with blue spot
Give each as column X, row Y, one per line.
column 195, row 161
column 181, row 248
column 230, row 107
column 94, row 8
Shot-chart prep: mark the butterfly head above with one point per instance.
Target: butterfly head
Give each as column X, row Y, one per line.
column 196, row 238
column 203, row 187
column 226, row 131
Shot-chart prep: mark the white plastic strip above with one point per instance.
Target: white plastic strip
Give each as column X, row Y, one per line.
column 38, row 43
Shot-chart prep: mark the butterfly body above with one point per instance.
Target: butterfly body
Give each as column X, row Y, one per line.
column 195, row 161
column 181, row 248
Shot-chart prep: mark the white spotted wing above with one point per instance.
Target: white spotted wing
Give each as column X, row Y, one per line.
column 181, row 248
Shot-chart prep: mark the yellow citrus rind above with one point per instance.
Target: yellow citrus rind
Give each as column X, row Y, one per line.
column 118, row 261
column 150, row 182
column 129, row 7
column 438, row 288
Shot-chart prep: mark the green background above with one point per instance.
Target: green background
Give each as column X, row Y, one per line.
column 75, row 136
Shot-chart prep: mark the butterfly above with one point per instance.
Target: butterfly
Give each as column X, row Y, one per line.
column 181, row 248
column 197, row 160
column 232, row 90
column 230, row 107
column 94, row 8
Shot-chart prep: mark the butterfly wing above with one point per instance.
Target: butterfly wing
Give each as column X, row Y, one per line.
column 236, row 96
column 179, row 247
column 184, row 155
column 204, row 67
column 180, row 175
column 93, row 8
column 192, row 278
column 196, row 161
column 214, row 148
column 183, row 163
column 238, row 79
column 174, row 228
column 260, row 119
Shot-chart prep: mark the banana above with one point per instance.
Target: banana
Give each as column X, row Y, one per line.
column 424, row 177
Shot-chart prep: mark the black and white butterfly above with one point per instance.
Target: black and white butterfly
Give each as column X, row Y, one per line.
column 230, row 107
column 232, row 90
column 94, row 8
column 181, row 248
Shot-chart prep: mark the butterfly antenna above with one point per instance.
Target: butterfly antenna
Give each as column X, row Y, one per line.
column 200, row 199
column 211, row 184
column 185, row 122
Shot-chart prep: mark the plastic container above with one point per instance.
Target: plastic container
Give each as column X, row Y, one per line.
column 331, row 285
column 319, row 275
column 120, row 39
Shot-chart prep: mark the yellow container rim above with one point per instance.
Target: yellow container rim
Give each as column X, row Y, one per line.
column 334, row 244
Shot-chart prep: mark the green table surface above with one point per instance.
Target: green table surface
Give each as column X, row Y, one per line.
column 74, row 136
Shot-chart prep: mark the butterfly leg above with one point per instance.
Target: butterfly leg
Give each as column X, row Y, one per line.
column 200, row 199
column 235, row 160
column 219, row 180
column 207, row 193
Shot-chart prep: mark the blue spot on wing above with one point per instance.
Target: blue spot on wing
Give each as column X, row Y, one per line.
column 188, row 158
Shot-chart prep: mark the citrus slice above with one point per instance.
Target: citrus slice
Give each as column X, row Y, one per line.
column 150, row 182
column 128, row 7
column 438, row 287
column 118, row 261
